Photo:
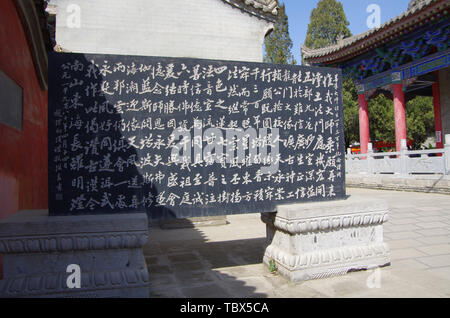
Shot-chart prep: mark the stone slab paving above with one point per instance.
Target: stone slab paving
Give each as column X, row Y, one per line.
column 417, row 183
column 226, row 261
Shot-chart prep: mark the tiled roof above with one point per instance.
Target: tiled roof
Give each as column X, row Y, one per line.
column 413, row 3
column 414, row 7
column 266, row 9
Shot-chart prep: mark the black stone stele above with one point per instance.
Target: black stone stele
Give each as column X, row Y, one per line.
column 111, row 119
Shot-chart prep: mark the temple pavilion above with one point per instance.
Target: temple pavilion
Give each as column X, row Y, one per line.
column 406, row 57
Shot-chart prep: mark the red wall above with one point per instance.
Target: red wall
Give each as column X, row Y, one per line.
column 23, row 154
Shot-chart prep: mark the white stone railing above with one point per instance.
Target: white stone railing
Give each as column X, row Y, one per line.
column 436, row 161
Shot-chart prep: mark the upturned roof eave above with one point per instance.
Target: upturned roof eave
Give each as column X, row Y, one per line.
column 264, row 9
column 370, row 39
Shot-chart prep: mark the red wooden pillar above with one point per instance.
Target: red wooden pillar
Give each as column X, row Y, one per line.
column 437, row 112
column 364, row 132
column 400, row 115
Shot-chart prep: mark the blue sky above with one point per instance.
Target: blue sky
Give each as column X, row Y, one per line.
column 299, row 11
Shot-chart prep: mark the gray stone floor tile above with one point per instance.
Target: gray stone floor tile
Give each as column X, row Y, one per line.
column 436, row 261
column 226, row 261
column 405, row 253
column 441, row 249
column 431, row 225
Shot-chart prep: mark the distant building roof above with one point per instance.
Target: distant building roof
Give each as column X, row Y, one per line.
column 418, row 11
column 266, row 9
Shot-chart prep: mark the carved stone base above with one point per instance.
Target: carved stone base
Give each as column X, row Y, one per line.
column 37, row 250
column 318, row 240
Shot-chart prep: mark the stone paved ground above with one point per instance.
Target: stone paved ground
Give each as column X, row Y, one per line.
column 225, row 261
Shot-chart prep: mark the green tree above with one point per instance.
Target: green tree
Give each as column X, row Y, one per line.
column 278, row 44
column 381, row 119
column 351, row 112
column 420, row 120
column 327, row 23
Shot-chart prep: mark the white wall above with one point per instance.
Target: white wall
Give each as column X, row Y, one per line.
column 209, row 29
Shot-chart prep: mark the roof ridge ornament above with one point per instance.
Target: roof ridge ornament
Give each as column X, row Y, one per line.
column 414, row 3
column 264, row 9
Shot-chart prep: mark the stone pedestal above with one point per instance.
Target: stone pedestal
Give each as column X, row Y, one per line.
column 38, row 249
column 318, row 240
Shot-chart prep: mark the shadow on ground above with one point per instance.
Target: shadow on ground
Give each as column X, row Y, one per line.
column 182, row 264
